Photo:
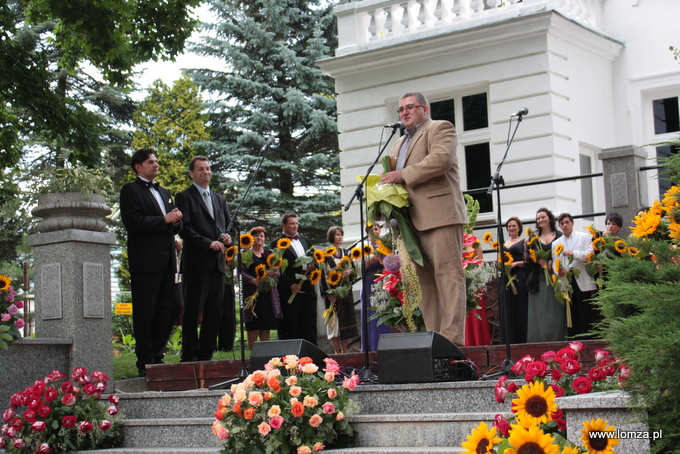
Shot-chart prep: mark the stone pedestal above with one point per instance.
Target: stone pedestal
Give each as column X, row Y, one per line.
column 624, row 192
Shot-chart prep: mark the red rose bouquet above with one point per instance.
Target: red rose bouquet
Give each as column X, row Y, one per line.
column 55, row 415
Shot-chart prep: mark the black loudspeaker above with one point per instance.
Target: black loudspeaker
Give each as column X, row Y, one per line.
column 420, row 358
column 266, row 350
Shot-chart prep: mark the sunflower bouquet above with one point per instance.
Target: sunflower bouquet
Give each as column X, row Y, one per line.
column 477, row 272
column 537, row 253
column 303, row 411
column 267, row 275
column 662, row 220
column 605, row 247
column 313, row 263
column 537, row 424
column 339, row 280
column 10, row 315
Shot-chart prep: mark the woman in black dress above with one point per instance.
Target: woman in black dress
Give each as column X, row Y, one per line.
column 263, row 318
column 346, row 327
column 516, row 301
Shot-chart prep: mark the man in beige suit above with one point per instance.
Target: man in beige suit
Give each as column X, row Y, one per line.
column 425, row 161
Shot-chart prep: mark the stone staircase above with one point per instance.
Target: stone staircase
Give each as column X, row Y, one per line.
column 405, row 418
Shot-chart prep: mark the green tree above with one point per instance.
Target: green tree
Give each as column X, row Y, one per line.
column 170, row 120
column 273, row 88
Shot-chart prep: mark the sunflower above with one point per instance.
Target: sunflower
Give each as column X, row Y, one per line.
column 620, row 246
column 344, row 262
column 334, row 278
column 670, row 198
column 260, row 271
column 495, row 245
column 382, row 249
column 355, row 254
column 368, row 249
column 599, row 243
column 283, row 243
column 535, row 404
column 315, row 277
column 554, row 278
column 558, row 264
column 570, row 450
column 4, row 282
column 481, row 440
column 532, row 255
column 532, row 440
column 590, row 256
column 508, row 258
column 319, row 255
column 532, row 240
column 601, row 444
column 592, row 231
column 273, row 261
column 674, row 230
column 246, row 241
column 330, row 251
column 645, row 224
column 633, row 251
column 528, row 231
column 488, row 237
column 559, row 249
column 230, row 252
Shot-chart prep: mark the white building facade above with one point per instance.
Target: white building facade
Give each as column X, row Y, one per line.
column 594, row 74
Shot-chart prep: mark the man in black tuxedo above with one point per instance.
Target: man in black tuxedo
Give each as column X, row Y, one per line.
column 206, row 218
column 299, row 317
column 151, row 221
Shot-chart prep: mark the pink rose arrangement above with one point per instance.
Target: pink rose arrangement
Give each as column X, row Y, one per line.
column 10, row 313
column 56, row 415
column 300, row 410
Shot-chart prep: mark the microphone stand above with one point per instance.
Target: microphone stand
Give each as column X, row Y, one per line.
column 497, row 181
column 234, row 223
column 365, row 374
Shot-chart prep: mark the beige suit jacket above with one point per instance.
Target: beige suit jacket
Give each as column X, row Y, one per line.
column 431, row 176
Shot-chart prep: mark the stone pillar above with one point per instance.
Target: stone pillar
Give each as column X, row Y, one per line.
column 72, row 271
column 624, row 191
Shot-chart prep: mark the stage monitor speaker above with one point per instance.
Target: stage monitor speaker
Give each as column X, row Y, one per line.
column 266, row 350
column 420, row 358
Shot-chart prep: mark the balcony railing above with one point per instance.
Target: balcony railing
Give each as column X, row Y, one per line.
column 372, row 20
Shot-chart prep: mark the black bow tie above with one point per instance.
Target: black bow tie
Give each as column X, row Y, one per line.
column 150, row 185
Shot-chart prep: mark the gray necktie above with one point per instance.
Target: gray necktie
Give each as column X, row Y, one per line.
column 401, row 160
column 208, row 204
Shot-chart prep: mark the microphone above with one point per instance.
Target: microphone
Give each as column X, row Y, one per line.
column 521, row 112
column 399, row 124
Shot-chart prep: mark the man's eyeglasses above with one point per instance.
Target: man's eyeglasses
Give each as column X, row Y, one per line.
column 408, row 107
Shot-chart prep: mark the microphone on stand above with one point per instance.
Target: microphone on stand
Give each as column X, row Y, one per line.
column 399, row 124
column 520, row 113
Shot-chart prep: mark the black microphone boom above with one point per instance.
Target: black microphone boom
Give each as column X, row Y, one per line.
column 399, row 124
column 521, row 112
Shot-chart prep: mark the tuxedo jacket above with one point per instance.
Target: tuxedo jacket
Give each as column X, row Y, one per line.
column 288, row 278
column 200, row 229
column 431, row 176
column 151, row 241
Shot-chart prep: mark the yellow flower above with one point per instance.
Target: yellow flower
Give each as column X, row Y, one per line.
column 535, row 404
column 532, row 440
column 382, row 249
column 508, row 258
column 230, row 252
column 495, row 245
column 633, row 251
column 283, row 243
column 598, row 444
column 599, row 243
column 5, row 281
column 273, row 261
column 528, row 232
column 315, row 277
column 558, row 264
column 645, row 224
column 532, row 255
column 368, row 249
column 355, row 253
column 532, row 240
column 481, row 440
column 554, row 278
column 570, row 450
column 260, row 271
column 559, row 249
column 330, row 251
column 344, row 261
column 674, row 229
column 590, row 256
column 620, row 246
column 246, row 241
column 488, row 237
column 319, row 255
column 334, row 278
column 592, row 231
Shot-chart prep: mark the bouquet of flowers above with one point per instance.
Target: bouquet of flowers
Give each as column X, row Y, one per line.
column 10, row 318
column 605, row 247
column 230, row 257
column 301, row 412
column 340, row 279
column 537, row 253
column 537, row 422
column 477, row 273
column 61, row 415
column 316, row 257
column 266, row 274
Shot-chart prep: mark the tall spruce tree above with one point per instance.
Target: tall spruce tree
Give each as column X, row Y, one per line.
column 273, row 88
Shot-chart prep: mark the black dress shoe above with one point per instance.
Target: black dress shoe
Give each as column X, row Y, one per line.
column 142, row 372
column 190, row 359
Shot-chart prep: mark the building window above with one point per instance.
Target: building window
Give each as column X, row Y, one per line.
column 474, row 136
column 666, row 120
column 587, row 202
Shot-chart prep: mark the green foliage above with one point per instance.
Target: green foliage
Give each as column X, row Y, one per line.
column 273, row 87
column 76, row 179
column 640, row 305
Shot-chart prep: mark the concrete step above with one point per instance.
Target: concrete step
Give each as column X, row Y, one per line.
column 147, row 450
column 393, row 450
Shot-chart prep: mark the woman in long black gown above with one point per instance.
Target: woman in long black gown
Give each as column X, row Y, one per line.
column 516, row 295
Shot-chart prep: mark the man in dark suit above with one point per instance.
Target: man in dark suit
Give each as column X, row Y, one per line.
column 299, row 317
column 206, row 218
column 425, row 162
column 151, row 221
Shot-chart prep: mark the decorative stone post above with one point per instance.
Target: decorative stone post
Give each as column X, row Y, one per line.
column 624, row 192
column 73, row 277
